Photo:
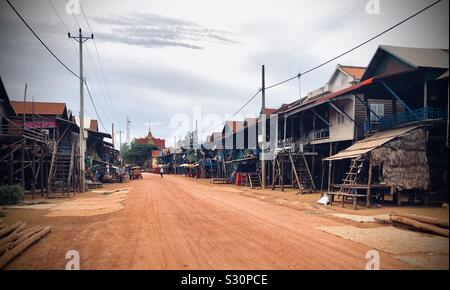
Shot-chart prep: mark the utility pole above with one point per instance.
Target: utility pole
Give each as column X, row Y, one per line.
column 112, row 135
column 263, row 128
column 120, row 145
column 128, row 129
column 81, row 39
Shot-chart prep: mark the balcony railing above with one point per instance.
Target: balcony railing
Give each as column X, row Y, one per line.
column 422, row 114
column 320, row 134
column 16, row 129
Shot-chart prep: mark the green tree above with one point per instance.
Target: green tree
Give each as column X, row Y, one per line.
column 136, row 154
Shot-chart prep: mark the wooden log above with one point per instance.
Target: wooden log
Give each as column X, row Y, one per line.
column 423, row 227
column 9, row 229
column 13, row 235
column 383, row 220
column 25, row 235
column 424, row 219
column 8, row 256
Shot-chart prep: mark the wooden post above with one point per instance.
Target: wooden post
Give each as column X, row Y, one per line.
column 330, row 163
column 22, row 164
column 33, row 169
column 11, row 173
column 282, row 173
column 42, row 169
column 369, row 183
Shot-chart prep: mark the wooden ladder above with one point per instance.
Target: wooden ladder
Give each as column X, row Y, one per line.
column 352, row 174
column 302, row 173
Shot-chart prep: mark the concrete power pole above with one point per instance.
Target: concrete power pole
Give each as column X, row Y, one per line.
column 120, row 145
column 128, row 130
column 81, row 39
column 112, row 135
column 263, row 128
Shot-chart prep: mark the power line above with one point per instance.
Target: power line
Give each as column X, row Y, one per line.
column 237, row 112
column 299, row 75
column 95, row 108
column 58, row 59
column 357, row 46
column 89, row 54
column 40, row 40
column 99, row 61
column 63, row 24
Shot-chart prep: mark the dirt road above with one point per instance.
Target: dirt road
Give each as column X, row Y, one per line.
column 177, row 223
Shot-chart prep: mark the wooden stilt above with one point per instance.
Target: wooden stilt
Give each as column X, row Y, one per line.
column 33, row 169
column 22, row 165
column 369, row 183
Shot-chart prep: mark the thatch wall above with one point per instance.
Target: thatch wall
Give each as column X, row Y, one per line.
column 404, row 161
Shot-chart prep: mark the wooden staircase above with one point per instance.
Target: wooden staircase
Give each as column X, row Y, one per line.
column 303, row 177
column 61, row 168
column 352, row 175
column 255, row 178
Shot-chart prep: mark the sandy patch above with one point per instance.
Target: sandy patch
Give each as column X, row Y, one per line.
column 33, row 206
column 391, row 239
column 429, row 262
column 107, row 202
column 359, row 218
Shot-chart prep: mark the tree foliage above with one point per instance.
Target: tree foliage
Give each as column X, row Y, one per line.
column 136, row 154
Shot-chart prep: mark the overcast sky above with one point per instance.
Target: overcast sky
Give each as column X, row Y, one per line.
column 162, row 58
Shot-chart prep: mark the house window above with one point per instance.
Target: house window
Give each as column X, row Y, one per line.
column 378, row 109
column 340, row 118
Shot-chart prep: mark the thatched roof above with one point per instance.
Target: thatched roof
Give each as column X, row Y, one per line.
column 404, row 161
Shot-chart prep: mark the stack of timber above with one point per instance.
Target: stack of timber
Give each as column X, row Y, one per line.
column 418, row 223
column 16, row 238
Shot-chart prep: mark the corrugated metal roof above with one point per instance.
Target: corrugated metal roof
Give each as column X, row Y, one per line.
column 269, row 111
column 419, row 57
column 355, row 71
column 39, row 108
column 443, row 76
column 315, row 102
column 6, row 101
column 370, row 143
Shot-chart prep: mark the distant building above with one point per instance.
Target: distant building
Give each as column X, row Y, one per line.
column 152, row 162
column 150, row 140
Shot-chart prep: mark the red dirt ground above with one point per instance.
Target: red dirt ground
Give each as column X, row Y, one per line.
column 177, row 223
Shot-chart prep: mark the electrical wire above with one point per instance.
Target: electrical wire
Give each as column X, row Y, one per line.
column 40, row 40
column 58, row 59
column 355, row 47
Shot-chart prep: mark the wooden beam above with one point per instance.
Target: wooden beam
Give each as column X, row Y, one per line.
column 320, row 117
column 341, row 112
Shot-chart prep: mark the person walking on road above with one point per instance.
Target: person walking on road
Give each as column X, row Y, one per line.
column 161, row 172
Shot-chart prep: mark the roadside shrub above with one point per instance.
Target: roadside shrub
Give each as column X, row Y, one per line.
column 10, row 194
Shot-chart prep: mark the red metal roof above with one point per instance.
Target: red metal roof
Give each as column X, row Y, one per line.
column 39, row 108
column 355, row 71
column 326, row 98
